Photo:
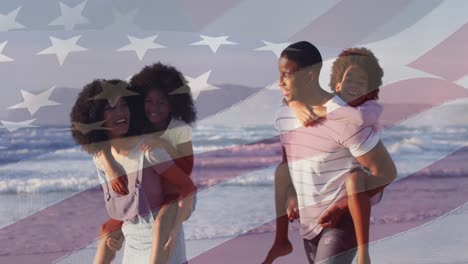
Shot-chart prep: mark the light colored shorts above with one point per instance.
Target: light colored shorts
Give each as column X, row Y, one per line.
column 138, row 238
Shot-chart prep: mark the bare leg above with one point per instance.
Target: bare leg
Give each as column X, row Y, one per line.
column 110, row 229
column 360, row 207
column 281, row 246
column 162, row 227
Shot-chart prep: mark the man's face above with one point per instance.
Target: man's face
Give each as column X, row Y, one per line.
column 355, row 84
column 287, row 69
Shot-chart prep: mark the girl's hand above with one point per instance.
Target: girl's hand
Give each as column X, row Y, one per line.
column 117, row 178
column 303, row 112
column 119, row 185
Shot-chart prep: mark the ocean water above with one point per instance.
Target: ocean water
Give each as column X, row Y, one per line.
column 41, row 166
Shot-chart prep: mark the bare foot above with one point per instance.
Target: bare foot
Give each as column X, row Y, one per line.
column 279, row 249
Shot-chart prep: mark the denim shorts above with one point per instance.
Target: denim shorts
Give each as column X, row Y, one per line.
column 336, row 245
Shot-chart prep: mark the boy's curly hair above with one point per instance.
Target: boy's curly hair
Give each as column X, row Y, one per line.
column 88, row 111
column 366, row 60
column 167, row 80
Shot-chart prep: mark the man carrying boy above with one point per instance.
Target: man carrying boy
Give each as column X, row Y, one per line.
column 320, row 157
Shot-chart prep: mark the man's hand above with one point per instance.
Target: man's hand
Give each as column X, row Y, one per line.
column 292, row 209
column 333, row 215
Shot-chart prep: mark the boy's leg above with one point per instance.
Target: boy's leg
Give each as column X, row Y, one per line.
column 281, row 246
column 360, row 208
column 110, row 229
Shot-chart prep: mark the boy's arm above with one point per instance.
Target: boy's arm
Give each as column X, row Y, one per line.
column 366, row 114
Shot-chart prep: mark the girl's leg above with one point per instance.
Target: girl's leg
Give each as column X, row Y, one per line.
column 360, row 208
column 281, row 246
column 110, row 229
column 162, row 228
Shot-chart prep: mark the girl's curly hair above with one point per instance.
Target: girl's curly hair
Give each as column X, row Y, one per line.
column 87, row 110
column 366, row 60
column 167, row 80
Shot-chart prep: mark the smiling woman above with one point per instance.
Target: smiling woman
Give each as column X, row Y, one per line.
column 132, row 177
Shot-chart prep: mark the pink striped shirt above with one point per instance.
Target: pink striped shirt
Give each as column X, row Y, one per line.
column 320, row 157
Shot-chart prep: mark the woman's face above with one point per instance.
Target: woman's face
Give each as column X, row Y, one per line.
column 157, row 107
column 355, row 83
column 117, row 119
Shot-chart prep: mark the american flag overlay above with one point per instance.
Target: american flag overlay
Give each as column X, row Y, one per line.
column 51, row 200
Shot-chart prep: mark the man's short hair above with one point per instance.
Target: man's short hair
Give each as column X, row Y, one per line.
column 366, row 60
column 304, row 53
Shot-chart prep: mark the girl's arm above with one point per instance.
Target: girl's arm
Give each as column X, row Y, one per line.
column 366, row 114
column 182, row 154
column 113, row 171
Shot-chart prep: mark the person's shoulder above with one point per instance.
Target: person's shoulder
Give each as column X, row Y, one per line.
column 176, row 122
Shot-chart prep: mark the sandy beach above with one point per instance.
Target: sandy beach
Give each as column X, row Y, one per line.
column 73, row 224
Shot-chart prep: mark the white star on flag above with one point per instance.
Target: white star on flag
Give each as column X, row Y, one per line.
column 213, row 42
column 463, row 81
column 33, row 102
column 13, row 126
column 277, row 48
column 86, row 128
column 4, row 58
column 62, row 47
column 71, row 16
column 123, row 21
column 197, row 85
column 141, row 46
column 8, row 22
column 113, row 92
